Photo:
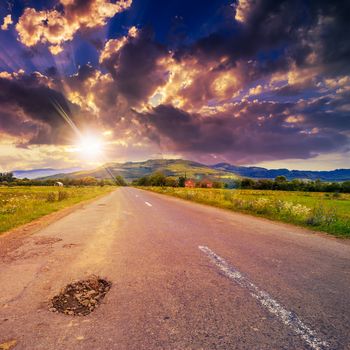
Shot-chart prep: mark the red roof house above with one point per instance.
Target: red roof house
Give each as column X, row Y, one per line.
column 190, row 183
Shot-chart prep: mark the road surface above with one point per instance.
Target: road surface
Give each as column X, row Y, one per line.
column 185, row 276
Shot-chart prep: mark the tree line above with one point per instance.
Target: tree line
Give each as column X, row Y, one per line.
column 7, row 179
column 279, row 183
column 159, row 179
column 282, row 184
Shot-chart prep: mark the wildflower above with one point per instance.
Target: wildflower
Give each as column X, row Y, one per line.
column 300, row 210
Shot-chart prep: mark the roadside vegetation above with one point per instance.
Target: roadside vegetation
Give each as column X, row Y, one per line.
column 22, row 204
column 280, row 183
column 328, row 212
column 7, row 179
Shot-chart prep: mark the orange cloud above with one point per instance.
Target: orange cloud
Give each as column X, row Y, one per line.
column 242, row 9
column 55, row 28
column 257, row 90
column 7, row 22
column 192, row 84
column 87, row 93
column 114, row 45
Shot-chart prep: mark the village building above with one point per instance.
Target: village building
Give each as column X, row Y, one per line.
column 190, row 183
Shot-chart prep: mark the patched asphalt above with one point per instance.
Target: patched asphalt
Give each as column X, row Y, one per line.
column 167, row 294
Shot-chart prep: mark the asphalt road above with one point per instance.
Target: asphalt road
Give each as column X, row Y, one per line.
column 185, row 276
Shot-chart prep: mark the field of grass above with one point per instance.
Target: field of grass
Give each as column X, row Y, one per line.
column 319, row 211
column 20, row 205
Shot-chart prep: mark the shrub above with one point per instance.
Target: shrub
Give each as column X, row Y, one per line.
column 51, row 197
column 8, row 210
column 330, row 217
column 300, row 210
column 62, row 195
column 320, row 216
column 261, row 205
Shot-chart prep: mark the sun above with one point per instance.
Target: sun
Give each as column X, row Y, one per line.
column 90, row 146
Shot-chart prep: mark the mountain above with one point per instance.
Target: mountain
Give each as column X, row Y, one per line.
column 169, row 167
column 38, row 173
column 263, row 173
column 222, row 171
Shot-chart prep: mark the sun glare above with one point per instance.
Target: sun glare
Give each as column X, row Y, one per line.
column 90, row 146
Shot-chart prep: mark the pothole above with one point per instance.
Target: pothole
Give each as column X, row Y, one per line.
column 81, row 297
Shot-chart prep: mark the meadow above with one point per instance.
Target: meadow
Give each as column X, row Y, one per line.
column 316, row 210
column 20, row 205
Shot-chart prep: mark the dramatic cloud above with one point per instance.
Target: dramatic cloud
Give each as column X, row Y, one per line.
column 191, row 84
column 7, row 22
column 56, row 27
column 271, row 82
column 248, row 131
column 296, row 31
column 243, row 8
column 28, row 109
column 134, row 63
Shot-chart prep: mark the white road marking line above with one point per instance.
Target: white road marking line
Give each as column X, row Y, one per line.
column 287, row 317
column 149, row 204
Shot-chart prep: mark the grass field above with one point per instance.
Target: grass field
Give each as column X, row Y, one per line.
column 320, row 211
column 20, row 205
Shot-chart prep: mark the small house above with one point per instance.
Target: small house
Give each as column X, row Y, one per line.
column 205, row 184
column 190, row 183
column 59, row 184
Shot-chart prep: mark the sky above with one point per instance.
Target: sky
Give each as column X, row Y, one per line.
column 248, row 82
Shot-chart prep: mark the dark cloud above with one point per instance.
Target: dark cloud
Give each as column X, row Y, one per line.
column 245, row 132
column 29, row 105
column 280, row 32
column 134, row 66
column 272, row 84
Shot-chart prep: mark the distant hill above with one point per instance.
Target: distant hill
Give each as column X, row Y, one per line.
column 222, row 171
column 37, row 173
column 262, row 173
column 169, row 167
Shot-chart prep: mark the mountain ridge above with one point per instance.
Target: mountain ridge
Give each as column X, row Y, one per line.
column 264, row 173
column 192, row 169
column 41, row 172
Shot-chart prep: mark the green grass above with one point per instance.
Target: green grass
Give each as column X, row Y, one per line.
column 20, row 205
column 318, row 211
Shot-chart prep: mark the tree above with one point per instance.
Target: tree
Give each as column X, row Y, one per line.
column 345, row 186
column 8, row 177
column 247, row 183
column 182, row 181
column 119, row 180
column 218, row 184
column 157, row 179
column 280, row 179
column 170, row 182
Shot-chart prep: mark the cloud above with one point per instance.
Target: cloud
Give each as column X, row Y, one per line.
column 257, row 90
column 245, row 132
column 28, row 111
column 242, row 9
column 55, row 27
column 7, row 22
column 283, row 33
column 134, row 63
column 273, row 85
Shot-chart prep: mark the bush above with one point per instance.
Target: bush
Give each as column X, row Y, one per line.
column 62, row 195
column 51, row 197
column 320, row 216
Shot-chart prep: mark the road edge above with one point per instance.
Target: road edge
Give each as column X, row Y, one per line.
column 10, row 240
column 304, row 229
